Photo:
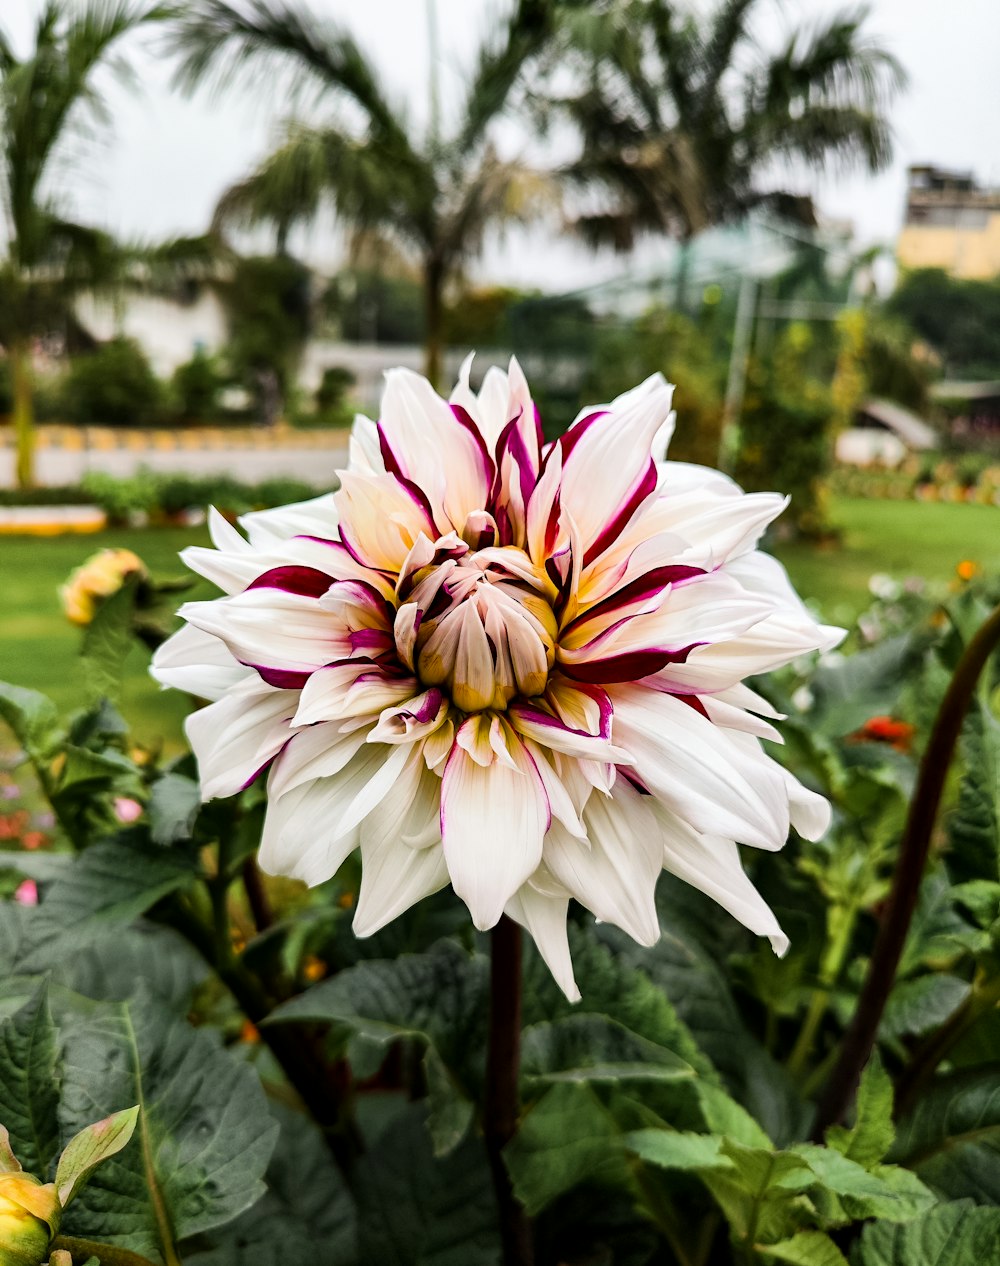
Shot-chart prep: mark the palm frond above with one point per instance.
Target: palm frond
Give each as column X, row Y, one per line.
column 220, row 41
column 530, row 27
column 497, row 194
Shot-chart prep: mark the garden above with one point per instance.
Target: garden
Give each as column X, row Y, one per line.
column 564, row 829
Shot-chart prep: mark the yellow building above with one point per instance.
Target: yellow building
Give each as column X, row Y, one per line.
column 951, row 223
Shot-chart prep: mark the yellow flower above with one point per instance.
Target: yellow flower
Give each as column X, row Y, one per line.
column 29, row 1215
column 100, row 576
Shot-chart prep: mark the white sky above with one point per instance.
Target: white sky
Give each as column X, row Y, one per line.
column 161, row 169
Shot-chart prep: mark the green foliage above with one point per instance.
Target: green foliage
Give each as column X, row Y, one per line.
column 303, row 1094
column 163, row 496
column 114, row 385
column 785, row 437
column 958, row 318
column 196, row 387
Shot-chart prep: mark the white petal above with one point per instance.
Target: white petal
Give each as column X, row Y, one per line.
column 197, row 662
column 315, row 517
column 713, row 866
column 269, row 627
column 394, row 876
column 492, row 821
column 544, row 918
column 235, row 737
column 700, row 771
column 320, row 751
column 615, row 877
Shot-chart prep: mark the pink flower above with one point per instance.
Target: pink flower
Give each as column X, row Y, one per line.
column 512, row 667
column 127, row 810
column 26, row 893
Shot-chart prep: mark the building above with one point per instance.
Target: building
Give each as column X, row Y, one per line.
column 951, row 223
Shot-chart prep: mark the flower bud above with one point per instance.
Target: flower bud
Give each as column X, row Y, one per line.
column 101, row 575
column 29, row 1214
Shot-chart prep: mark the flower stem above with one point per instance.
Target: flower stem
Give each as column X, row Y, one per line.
column 501, row 1106
column 840, row 923
column 914, row 848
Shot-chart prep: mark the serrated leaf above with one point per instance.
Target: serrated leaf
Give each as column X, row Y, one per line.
column 205, row 1135
column 955, row 1234
column 108, row 886
column 807, row 1248
column 307, row 1214
column 108, row 640
column 173, row 806
column 438, row 998
column 872, row 1133
column 974, row 824
column 415, row 1211
column 595, row 1048
column 895, row 1195
column 29, row 1090
column 916, row 1006
column 86, row 1150
column 678, row 1149
column 567, row 1137
column 32, row 717
column 952, row 1136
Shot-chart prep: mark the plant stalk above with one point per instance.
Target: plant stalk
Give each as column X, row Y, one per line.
column 24, row 413
column 502, row 1104
column 914, row 849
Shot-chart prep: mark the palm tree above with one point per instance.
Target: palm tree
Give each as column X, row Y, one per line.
column 434, row 196
column 684, row 121
column 45, row 97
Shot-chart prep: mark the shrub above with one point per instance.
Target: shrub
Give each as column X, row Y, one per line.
column 196, row 387
column 113, row 386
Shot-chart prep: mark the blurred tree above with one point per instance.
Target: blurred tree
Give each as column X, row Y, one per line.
column 114, row 385
column 46, row 98
column 269, row 308
column 959, row 319
column 684, row 119
column 435, row 196
column 196, row 387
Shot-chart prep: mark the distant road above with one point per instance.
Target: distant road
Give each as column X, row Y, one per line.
column 65, row 454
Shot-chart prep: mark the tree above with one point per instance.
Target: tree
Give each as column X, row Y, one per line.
column 684, row 120
column 959, row 318
column 46, row 97
column 435, row 196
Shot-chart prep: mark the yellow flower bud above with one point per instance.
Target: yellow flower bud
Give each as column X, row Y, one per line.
column 100, row 576
column 29, row 1215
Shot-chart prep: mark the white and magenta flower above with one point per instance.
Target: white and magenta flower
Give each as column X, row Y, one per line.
column 512, row 667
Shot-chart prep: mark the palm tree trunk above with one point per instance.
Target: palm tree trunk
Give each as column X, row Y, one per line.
column 23, row 389
column 434, row 321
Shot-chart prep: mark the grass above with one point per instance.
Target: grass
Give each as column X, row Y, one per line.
column 899, row 538
column 38, row 648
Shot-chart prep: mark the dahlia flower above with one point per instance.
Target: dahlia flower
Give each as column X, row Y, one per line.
column 509, row 666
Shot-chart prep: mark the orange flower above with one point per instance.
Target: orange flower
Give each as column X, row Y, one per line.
column 882, row 729
column 967, row 569
column 313, row 968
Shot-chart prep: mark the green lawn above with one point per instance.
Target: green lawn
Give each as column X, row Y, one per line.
column 38, row 648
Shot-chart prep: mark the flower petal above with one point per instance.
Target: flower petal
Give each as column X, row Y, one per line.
column 544, row 919
column 235, row 737
column 493, row 818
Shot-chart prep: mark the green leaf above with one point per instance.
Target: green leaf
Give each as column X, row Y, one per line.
column 807, row 1248
column 952, row 1136
column 678, row 1149
column 568, row 1137
column 173, row 806
column 438, row 999
column 204, row 1137
column 108, row 640
column 916, row 1006
column 33, row 718
column 29, row 1089
column 108, row 886
column 974, row 824
column 846, row 693
column 86, row 1150
column 416, row 1211
column 872, row 1133
column 956, row 1234
column 307, row 1214
column 595, row 1048
column 885, row 1192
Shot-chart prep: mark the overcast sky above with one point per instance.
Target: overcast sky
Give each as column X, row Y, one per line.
column 160, row 170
